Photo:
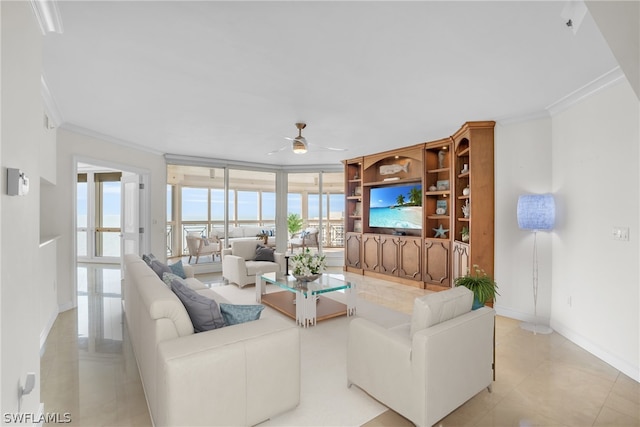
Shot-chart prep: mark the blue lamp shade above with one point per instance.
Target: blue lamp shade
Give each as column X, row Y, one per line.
column 536, row 212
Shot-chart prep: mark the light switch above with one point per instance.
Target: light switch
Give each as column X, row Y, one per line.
column 621, row 233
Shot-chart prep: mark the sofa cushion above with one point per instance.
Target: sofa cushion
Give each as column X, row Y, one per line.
column 235, row 313
column 440, row 306
column 160, row 268
column 236, row 232
column 264, row 253
column 203, row 312
column 178, row 269
column 245, row 249
column 255, row 267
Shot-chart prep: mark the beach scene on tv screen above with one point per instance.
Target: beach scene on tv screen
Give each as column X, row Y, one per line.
column 396, row 207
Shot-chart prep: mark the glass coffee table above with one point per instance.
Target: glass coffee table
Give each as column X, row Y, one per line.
column 304, row 301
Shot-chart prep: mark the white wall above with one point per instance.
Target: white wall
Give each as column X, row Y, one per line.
column 73, row 146
column 21, row 138
column 522, row 166
column 588, row 157
column 595, row 176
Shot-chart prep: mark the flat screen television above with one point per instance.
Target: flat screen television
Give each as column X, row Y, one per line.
column 396, row 206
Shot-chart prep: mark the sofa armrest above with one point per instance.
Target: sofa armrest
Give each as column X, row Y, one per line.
column 279, row 258
column 237, row 375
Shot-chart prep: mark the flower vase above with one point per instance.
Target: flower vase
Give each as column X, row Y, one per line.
column 305, row 279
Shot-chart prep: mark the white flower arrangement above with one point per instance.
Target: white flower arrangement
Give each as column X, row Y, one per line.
column 305, row 264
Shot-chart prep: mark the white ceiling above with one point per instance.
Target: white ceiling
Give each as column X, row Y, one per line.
column 229, row 79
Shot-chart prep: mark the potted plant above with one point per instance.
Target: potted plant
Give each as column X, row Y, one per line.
column 294, row 223
column 465, row 234
column 484, row 288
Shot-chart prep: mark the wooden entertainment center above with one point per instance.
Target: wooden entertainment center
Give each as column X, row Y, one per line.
column 424, row 239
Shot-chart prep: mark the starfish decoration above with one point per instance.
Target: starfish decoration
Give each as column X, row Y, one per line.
column 440, row 232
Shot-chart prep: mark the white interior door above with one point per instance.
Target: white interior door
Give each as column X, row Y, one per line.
column 131, row 231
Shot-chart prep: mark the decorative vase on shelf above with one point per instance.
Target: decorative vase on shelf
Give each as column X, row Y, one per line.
column 466, row 191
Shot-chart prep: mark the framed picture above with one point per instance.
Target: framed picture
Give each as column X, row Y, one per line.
column 442, row 184
column 441, row 207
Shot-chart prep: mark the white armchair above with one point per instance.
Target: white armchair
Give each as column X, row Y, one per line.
column 239, row 264
column 426, row 369
column 200, row 246
column 304, row 239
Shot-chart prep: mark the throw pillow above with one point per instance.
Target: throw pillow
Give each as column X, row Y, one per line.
column 160, row 268
column 234, row 313
column 178, row 269
column 203, row 312
column 167, row 278
column 148, row 258
column 264, row 253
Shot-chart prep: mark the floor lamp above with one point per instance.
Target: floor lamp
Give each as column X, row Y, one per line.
column 536, row 212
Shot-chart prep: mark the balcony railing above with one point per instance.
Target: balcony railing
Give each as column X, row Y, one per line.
column 332, row 233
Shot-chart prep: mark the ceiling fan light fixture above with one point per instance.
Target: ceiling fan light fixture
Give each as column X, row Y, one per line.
column 299, row 145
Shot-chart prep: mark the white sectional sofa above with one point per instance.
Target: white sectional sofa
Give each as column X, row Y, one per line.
column 236, row 375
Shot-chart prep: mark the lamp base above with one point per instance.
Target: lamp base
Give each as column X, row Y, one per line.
column 535, row 328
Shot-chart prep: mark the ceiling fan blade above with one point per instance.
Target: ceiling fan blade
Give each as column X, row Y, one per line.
column 327, row 148
column 278, row 150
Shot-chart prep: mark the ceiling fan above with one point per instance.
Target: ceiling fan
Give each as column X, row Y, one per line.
column 300, row 145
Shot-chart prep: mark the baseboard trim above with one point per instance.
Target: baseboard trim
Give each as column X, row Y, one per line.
column 44, row 334
column 623, row 366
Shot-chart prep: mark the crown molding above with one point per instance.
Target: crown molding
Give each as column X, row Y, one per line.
column 48, row 16
column 97, row 135
column 527, row 117
column 606, row 80
column 179, row 159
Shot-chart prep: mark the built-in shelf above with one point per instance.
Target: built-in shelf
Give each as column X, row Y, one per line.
column 438, row 217
column 391, row 182
column 438, row 170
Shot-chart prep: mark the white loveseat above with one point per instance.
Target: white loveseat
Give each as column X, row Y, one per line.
column 236, row 375
column 426, row 369
column 239, row 265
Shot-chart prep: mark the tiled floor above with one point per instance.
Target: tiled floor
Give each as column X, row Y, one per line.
column 541, row 380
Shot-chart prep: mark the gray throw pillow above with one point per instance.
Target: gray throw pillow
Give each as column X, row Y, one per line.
column 235, row 313
column 204, row 312
column 264, row 253
column 160, row 268
column 148, row 258
column 167, row 278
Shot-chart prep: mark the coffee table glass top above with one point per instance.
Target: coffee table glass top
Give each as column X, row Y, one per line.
column 325, row 283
